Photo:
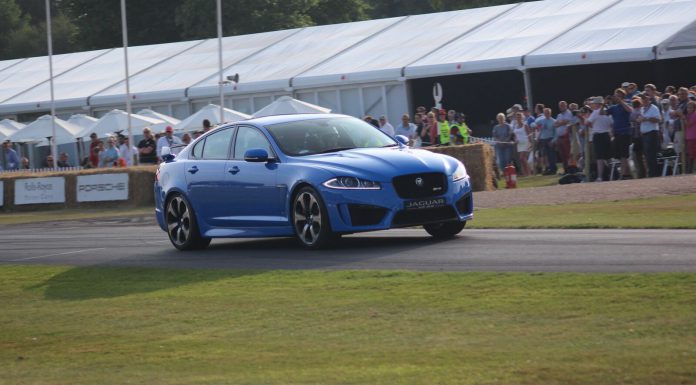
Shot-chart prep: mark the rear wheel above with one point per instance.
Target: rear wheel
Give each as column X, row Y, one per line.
column 310, row 219
column 445, row 229
column 182, row 227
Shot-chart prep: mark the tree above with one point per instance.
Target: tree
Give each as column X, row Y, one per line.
column 197, row 18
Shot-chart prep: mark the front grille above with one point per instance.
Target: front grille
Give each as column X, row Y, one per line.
column 366, row 215
column 420, row 217
column 431, row 184
column 464, row 204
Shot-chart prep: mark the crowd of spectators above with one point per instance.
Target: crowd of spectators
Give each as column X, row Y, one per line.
column 610, row 130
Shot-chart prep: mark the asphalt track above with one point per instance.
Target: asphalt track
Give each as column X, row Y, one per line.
column 139, row 242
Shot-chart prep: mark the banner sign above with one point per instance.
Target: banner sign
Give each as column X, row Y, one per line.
column 39, row 190
column 102, row 187
column 2, row 193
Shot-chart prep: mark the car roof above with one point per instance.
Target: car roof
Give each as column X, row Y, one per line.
column 274, row 119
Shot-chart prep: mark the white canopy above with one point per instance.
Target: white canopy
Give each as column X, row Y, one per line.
column 116, row 121
column 41, row 128
column 8, row 127
column 287, row 105
column 212, row 113
column 166, row 119
column 82, row 120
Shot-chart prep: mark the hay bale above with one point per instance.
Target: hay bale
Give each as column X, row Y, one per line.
column 478, row 159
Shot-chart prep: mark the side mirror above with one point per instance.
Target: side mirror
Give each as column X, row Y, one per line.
column 256, row 155
column 402, row 139
column 166, row 154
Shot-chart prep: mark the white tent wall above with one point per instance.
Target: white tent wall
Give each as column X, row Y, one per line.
column 408, row 40
column 73, row 87
column 271, row 69
column 375, row 99
column 681, row 45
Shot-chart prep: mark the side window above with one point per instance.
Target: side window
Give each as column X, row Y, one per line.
column 248, row 138
column 217, row 145
column 197, row 150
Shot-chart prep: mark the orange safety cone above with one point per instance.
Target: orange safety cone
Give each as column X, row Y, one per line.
column 510, row 176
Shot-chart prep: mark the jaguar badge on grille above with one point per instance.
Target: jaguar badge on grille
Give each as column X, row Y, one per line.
column 419, row 182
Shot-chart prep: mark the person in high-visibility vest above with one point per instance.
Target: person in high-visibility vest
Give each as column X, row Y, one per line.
column 444, row 128
column 464, row 129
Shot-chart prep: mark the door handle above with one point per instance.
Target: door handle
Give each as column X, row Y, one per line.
column 193, row 170
column 234, row 170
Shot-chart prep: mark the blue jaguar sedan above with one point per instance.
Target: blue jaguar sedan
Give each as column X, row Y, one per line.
column 311, row 176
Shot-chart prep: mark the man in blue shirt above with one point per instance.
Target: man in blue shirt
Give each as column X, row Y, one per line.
column 9, row 160
column 547, row 141
column 621, row 113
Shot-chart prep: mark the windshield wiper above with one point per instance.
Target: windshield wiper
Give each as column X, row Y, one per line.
column 390, row 145
column 336, row 149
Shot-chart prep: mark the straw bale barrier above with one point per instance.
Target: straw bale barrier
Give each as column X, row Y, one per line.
column 140, row 193
column 478, row 159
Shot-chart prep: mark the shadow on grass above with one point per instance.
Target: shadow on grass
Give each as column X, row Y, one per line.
column 85, row 283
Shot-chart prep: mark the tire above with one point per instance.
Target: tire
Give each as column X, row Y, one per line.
column 310, row 220
column 182, row 227
column 445, row 229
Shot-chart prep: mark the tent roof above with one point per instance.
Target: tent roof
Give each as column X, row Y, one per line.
column 535, row 34
column 171, row 78
column 628, row 31
column 373, row 60
column 273, row 67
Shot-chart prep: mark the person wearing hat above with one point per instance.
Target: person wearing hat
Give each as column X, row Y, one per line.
column 9, row 160
column 94, row 149
column 649, row 120
column 168, row 140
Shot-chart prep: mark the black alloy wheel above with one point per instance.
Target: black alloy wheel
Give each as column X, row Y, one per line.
column 181, row 225
column 310, row 219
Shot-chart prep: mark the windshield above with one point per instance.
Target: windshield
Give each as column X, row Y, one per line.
column 316, row 136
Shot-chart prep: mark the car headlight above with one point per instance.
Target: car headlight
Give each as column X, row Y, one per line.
column 351, row 183
column 460, row 173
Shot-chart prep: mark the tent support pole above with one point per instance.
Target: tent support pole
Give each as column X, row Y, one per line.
column 528, row 89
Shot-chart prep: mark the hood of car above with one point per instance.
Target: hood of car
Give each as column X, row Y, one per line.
column 381, row 164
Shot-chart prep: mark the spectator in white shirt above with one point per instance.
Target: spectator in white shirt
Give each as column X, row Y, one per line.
column 168, row 140
column 385, row 126
column 649, row 120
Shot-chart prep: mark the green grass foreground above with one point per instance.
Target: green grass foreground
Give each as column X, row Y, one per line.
column 667, row 212
column 98, row 325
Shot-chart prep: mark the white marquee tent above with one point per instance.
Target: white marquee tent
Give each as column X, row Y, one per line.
column 38, row 130
column 355, row 68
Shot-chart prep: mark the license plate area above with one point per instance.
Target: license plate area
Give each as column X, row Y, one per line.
column 422, row 204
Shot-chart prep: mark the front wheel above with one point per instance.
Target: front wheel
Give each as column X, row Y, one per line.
column 310, row 219
column 444, row 229
column 182, row 227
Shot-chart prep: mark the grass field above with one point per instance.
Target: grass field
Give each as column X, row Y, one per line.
column 669, row 212
column 98, row 325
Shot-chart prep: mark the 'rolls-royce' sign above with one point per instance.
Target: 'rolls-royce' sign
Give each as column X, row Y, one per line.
column 39, row 190
column 102, row 187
